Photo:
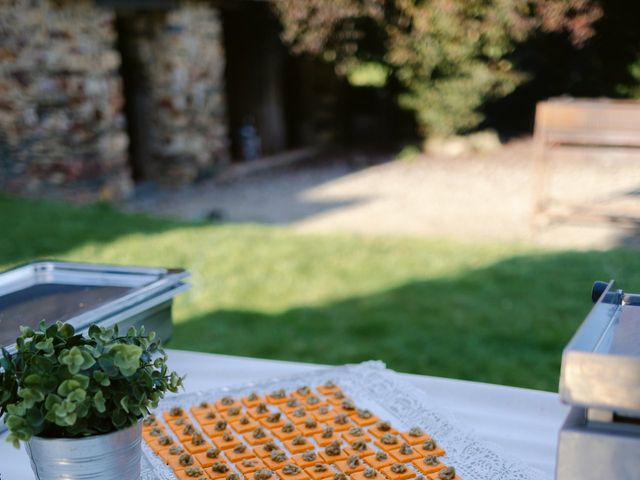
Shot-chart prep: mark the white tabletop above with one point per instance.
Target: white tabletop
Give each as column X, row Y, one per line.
column 524, row 423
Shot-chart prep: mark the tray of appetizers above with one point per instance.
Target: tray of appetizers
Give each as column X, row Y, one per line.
column 356, row 422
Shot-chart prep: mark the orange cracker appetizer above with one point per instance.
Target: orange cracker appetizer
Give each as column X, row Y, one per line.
column 252, row 400
column 244, row 424
column 319, row 471
column 333, row 453
column 355, row 433
column 258, row 436
column 196, row 443
column 328, row 388
column 291, row 471
column 225, row 403
column 306, row 459
column 298, row 444
column 340, row 422
column 415, row 436
column 219, row 469
column 398, row 471
column 286, row 432
column 380, row 428
column 447, row 473
column 367, row 474
column 265, row 450
column 406, row 453
column 430, row 447
column 364, row 417
column 277, row 397
column 325, row 437
column 276, row 459
column 239, row 452
column 429, row 464
column 209, row 457
column 352, row 464
column 310, row 427
column 274, row 420
column 191, row 473
column 379, row 460
column 249, row 465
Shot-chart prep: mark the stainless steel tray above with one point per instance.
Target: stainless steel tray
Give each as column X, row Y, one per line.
column 84, row 294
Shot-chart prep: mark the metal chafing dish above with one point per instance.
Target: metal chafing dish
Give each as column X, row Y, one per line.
column 600, row 380
column 83, row 294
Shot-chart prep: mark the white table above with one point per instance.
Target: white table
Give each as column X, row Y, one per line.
column 524, row 423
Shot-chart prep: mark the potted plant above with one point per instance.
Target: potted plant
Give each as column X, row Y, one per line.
column 77, row 401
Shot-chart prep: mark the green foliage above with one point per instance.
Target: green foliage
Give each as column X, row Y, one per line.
column 450, row 56
column 59, row 384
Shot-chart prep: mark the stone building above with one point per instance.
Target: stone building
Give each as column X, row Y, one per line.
column 96, row 95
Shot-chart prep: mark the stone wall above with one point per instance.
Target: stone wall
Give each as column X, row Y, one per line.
column 62, row 118
column 62, row 132
column 179, row 56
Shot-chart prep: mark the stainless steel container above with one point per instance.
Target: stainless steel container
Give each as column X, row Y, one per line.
column 112, row 456
column 600, row 379
column 83, row 294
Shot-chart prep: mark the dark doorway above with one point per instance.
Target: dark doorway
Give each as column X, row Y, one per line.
column 135, row 85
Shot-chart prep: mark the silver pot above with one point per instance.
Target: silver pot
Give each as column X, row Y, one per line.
column 112, row 456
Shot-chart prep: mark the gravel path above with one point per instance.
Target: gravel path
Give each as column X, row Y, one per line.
column 478, row 197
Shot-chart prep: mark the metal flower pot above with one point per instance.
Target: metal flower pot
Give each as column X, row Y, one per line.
column 112, row 456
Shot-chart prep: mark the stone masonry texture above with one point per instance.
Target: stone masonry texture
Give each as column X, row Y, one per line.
column 63, row 131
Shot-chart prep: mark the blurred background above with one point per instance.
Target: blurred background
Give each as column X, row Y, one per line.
column 345, row 179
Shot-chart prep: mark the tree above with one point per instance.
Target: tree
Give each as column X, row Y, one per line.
column 450, row 56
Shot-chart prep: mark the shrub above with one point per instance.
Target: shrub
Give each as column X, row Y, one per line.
column 60, row 384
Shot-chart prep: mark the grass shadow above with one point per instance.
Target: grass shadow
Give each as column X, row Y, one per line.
column 506, row 323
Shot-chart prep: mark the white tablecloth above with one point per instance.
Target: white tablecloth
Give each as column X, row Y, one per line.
column 524, row 423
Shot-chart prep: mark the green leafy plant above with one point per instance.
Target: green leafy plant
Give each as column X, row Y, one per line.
column 61, row 384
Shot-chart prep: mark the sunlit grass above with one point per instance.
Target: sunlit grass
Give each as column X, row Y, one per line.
column 490, row 312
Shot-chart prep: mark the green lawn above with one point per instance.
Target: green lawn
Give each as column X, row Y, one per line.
column 491, row 312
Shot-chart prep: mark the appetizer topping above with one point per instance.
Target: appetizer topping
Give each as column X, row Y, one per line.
column 181, row 421
column 359, row 445
column 220, row 467
column 234, row 411
column 150, row 420
column 204, row 405
column 339, row 395
column 220, row 425
column 327, row 432
column 309, row 456
column 240, row 448
column 313, row 400
column 429, row 445
column 354, row 461
column 288, row 427
column 263, row 474
column 156, row 432
column 416, row 432
column 175, row 450
column 274, row 417
column 382, row 456
column 329, row 384
column 398, row 468
column 333, row 448
column 300, row 412
column 197, row 439
column 210, row 415
column 213, row 453
column 364, row 413
column 244, row 420
column 304, row 391
column 348, row 405
column 447, row 473
column 270, row 446
column 278, row 456
column 291, row 469
column 253, row 396
column 389, row 439
column 227, row 401
column 249, row 463
column 356, row 431
column 277, row 394
column 262, row 408
column 323, row 410
column 193, row 472
column 185, row 459
column 431, row 460
column 233, row 476
column 405, row 449
column 259, row 433
column 165, row 440
column 299, row 440
column 310, row 423
column 341, row 419
column 384, row 426
column 293, row 402
column 227, row 437
column 320, row 467
column 341, row 476
column 370, row 472
column 176, row 411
